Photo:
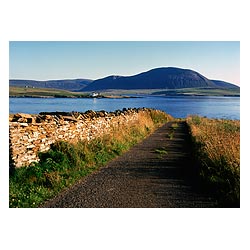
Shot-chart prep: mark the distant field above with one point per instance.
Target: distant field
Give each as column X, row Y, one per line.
column 42, row 92
column 48, row 92
column 199, row 92
column 175, row 92
column 52, row 93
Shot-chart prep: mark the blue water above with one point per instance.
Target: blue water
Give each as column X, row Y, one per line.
column 212, row 107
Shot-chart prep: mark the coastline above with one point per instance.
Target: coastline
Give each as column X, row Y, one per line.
column 61, row 96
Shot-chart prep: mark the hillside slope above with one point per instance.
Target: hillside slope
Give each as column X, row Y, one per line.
column 159, row 78
column 223, row 84
column 66, row 84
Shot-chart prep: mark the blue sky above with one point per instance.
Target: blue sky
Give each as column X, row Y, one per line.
column 93, row 60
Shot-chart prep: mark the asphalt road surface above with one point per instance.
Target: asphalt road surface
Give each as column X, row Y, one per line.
column 156, row 173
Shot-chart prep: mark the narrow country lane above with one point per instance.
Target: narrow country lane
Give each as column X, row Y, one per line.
column 155, row 173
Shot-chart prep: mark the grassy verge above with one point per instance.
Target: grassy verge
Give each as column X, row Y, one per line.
column 65, row 163
column 217, row 151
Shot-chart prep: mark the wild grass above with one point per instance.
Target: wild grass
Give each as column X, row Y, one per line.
column 217, row 150
column 161, row 152
column 65, row 163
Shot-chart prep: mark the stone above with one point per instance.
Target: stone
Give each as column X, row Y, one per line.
column 19, row 115
column 24, row 124
column 37, row 132
column 69, row 118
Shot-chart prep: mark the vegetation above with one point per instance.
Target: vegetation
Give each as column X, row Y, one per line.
column 161, row 152
column 49, row 92
column 177, row 92
column 65, row 163
column 199, row 92
column 217, row 150
column 42, row 92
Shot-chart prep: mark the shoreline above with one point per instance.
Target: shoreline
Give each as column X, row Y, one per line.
column 121, row 97
column 76, row 97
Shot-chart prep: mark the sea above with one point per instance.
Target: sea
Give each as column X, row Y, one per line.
column 177, row 106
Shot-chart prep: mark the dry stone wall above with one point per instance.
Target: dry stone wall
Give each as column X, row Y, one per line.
column 29, row 134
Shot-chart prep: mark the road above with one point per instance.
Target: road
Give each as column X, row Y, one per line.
column 156, row 173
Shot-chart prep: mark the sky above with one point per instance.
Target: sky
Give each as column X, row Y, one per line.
column 43, row 60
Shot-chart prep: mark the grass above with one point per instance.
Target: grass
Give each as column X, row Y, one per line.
column 174, row 126
column 217, row 151
column 161, row 152
column 174, row 92
column 199, row 92
column 116, row 93
column 42, row 92
column 65, row 163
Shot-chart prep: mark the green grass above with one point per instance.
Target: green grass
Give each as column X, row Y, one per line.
column 171, row 135
column 199, row 92
column 65, row 163
column 58, row 168
column 42, row 92
column 184, row 91
column 161, row 152
column 49, row 92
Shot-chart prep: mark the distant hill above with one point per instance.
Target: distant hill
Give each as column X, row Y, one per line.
column 222, row 84
column 71, row 85
column 159, row 78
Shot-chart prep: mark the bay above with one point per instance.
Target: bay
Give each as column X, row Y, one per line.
column 178, row 107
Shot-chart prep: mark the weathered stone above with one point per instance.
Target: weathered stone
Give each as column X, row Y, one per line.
column 40, row 131
column 19, row 115
column 69, row 118
column 39, row 119
column 24, row 124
